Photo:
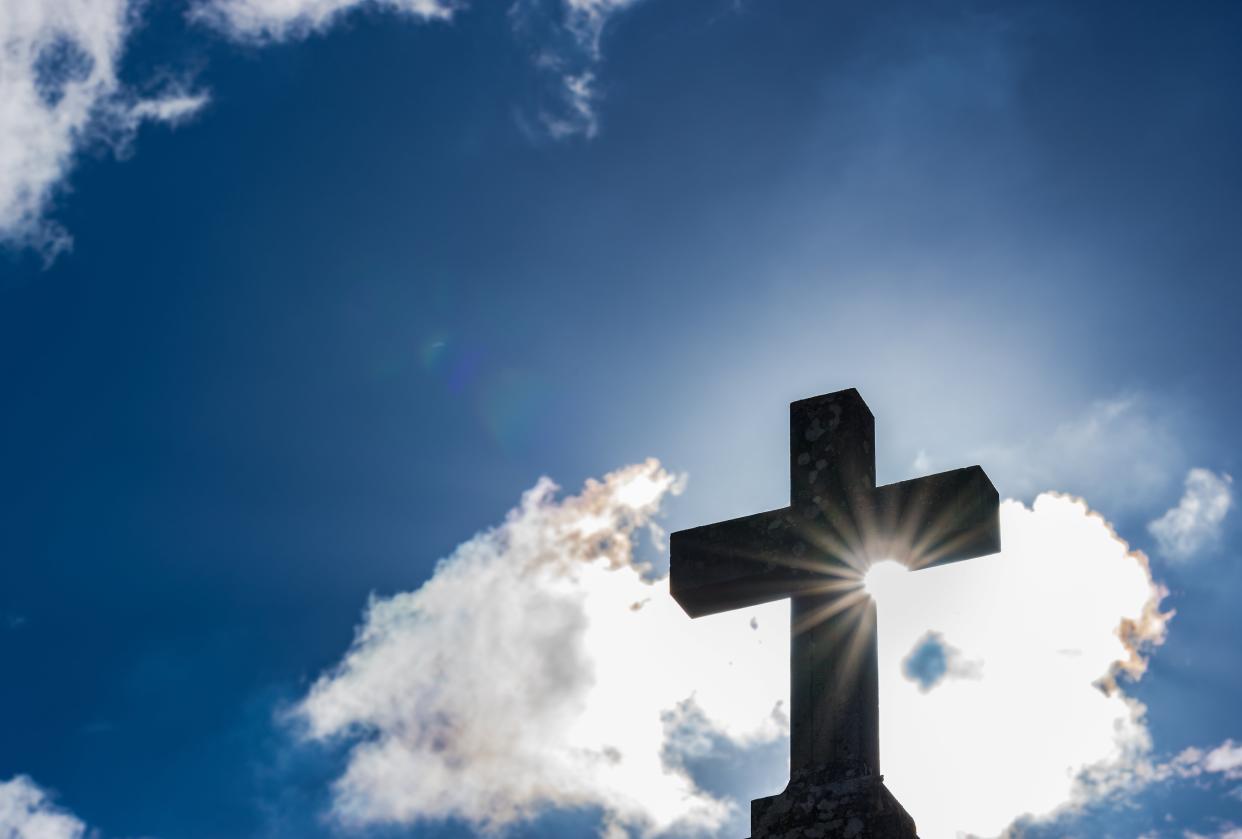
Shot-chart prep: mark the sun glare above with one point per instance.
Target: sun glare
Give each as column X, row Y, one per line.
column 883, row 577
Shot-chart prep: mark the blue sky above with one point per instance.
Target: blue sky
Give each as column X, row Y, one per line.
column 297, row 299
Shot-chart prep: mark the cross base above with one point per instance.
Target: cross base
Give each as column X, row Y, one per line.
column 823, row 805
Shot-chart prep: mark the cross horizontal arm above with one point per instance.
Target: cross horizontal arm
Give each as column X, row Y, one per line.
column 942, row 518
column 755, row 559
column 740, row 562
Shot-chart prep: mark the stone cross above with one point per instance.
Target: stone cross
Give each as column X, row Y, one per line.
column 815, row 552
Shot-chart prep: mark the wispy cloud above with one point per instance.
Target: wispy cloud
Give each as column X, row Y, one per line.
column 566, row 37
column 1195, row 523
column 59, row 91
column 277, row 20
column 1215, row 768
column 174, row 107
column 541, row 667
column 28, row 812
column 1229, row 831
column 1224, row 760
column 1122, row 452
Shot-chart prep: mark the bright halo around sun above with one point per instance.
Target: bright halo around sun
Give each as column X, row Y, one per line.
column 884, row 578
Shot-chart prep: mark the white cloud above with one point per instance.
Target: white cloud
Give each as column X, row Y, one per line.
column 539, row 668
column 1049, row 626
column 1226, row 759
column 282, row 19
column 1195, row 523
column 59, row 90
column 26, row 812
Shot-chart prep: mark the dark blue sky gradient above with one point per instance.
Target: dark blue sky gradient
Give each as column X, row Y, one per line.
column 312, row 340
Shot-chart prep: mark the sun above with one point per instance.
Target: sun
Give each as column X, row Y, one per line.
column 883, row 578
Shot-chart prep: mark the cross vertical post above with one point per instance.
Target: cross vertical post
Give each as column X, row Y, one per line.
column 834, row 694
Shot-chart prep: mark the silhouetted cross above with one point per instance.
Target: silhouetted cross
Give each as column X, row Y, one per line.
column 816, row 551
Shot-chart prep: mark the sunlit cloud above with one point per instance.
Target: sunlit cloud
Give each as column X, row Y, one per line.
column 27, row 811
column 1195, row 523
column 542, row 667
column 1046, row 633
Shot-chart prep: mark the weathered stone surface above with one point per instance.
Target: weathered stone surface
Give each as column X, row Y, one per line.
column 815, row 552
column 817, row 806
